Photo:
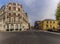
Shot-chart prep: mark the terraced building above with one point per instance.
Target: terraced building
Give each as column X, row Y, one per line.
column 47, row 24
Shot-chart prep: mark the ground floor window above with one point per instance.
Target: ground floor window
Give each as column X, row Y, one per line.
column 7, row 29
column 16, row 27
column 12, row 27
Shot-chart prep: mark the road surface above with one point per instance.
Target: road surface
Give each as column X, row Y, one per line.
column 29, row 37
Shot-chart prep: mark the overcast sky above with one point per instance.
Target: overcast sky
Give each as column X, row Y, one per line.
column 37, row 9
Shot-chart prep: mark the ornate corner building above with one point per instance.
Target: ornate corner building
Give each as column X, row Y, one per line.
column 13, row 18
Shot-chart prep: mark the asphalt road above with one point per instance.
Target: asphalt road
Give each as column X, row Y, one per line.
column 29, row 37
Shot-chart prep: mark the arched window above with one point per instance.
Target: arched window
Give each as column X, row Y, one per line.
column 18, row 9
column 9, row 8
column 19, row 15
column 9, row 14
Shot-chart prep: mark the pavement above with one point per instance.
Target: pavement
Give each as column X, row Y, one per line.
column 29, row 37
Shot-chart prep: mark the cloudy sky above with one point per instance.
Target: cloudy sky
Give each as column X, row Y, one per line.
column 37, row 9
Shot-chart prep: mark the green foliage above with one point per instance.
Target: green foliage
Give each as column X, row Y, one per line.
column 58, row 12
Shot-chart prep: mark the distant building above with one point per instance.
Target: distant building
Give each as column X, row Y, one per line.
column 47, row 24
column 50, row 24
column 13, row 18
column 38, row 25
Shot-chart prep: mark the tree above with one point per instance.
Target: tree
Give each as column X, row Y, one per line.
column 58, row 12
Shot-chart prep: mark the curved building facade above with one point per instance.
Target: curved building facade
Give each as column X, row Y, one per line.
column 13, row 18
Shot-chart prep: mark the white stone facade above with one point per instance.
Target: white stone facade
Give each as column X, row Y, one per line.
column 13, row 18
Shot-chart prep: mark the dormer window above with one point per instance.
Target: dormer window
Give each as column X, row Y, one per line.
column 14, row 3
